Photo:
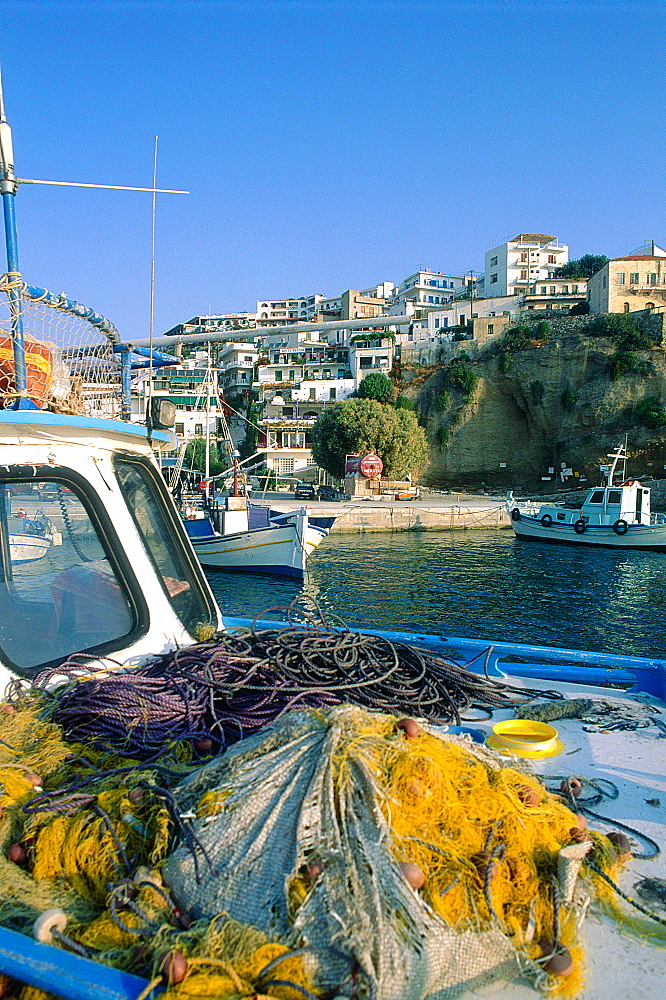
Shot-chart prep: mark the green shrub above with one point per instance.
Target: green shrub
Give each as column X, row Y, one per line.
column 569, row 399
column 628, row 363
column 443, row 400
column 622, row 329
column 651, row 413
column 542, row 331
column 460, row 376
column 538, row 391
column 404, row 403
column 517, row 338
column 504, row 362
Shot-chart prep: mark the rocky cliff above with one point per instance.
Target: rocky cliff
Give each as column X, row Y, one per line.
column 546, row 405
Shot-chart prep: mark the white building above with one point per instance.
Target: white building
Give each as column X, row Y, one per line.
column 529, row 258
column 237, row 361
column 298, row 375
column 424, row 289
column 281, row 312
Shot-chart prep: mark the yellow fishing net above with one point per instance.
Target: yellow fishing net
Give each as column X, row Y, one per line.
column 308, row 837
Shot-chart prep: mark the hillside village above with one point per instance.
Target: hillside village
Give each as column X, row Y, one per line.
column 543, row 418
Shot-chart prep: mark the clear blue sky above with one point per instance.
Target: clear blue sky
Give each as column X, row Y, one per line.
column 327, row 144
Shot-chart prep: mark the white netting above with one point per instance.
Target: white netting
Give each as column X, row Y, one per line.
column 70, row 363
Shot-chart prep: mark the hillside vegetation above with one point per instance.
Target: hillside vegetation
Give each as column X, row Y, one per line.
column 543, row 395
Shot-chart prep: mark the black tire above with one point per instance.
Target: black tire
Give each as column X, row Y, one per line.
column 620, row 527
column 546, row 520
column 515, row 514
column 580, row 526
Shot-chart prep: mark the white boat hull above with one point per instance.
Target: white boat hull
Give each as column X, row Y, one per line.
column 637, row 536
column 279, row 549
column 28, row 548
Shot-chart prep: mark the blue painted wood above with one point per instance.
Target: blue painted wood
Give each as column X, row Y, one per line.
column 62, row 972
column 506, row 659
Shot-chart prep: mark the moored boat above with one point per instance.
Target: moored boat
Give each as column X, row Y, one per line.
column 236, row 535
column 614, row 515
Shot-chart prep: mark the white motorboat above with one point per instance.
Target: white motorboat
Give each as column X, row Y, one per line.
column 240, row 536
column 614, row 515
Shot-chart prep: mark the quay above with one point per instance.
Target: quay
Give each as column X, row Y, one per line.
column 432, row 512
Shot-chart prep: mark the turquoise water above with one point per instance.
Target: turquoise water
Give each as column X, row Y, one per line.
column 478, row 584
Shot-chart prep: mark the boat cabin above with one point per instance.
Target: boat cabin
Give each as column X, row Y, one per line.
column 114, row 577
column 627, row 502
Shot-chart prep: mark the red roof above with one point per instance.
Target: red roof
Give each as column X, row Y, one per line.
column 638, row 256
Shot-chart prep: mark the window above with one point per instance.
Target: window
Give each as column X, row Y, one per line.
column 615, row 497
column 278, row 376
column 145, row 495
column 603, row 281
column 565, row 289
column 292, row 375
column 523, row 276
column 331, row 393
column 551, row 258
column 198, row 429
column 523, row 257
column 597, row 497
column 285, row 466
column 620, row 277
column 59, row 583
column 491, row 328
column 626, row 307
column 493, row 278
column 652, row 279
column 574, row 289
column 552, row 289
column 633, row 278
column 287, row 411
column 544, row 290
column 313, row 393
column 493, row 261
column 437, row 324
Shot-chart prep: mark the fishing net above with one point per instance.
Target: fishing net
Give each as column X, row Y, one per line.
column 70, row 363
column 286, row 866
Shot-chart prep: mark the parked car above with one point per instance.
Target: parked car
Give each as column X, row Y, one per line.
column 330, row 493
column 305, row 491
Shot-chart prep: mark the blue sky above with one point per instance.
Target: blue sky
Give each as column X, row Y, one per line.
column 327, row 144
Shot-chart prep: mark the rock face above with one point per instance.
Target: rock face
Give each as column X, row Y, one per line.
column 543, row 407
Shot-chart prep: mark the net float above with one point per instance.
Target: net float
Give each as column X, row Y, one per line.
column 571, row 786
column 409, row 727
column 621, row 843
column 173, row 966
column 413, row 873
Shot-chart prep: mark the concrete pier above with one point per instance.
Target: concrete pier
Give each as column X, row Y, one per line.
column 435, row 512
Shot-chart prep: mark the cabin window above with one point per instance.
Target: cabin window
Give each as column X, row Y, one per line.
column 561, row 517
column 615, row 497
column 61, row 591
column 161, row 533
column 597, row 497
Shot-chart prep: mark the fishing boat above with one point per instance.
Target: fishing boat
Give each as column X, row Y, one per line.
column 30, row 538
column 233, row 534
column 616, row 514
column 122, row 601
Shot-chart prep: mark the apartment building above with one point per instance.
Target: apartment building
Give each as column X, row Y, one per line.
column 529, row 258
column 555, row 294
column 214, row 324
column 629, row 284
column 282, row 312
column 354, row 304
column 237, row 361
column 298, row 376
column 424, row 290
column 192, row 388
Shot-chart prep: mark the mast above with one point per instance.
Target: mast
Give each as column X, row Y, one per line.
column 8, row 189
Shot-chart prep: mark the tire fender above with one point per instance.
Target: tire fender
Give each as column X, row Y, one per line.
column 580, row 526
column 620, row 527
column 546, row 520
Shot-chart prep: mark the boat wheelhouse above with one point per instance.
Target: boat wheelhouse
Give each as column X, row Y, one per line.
column 615, row 514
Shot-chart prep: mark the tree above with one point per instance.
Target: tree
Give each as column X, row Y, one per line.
column 195, row 456
column 364, row 425
column 583, row 267
column 376, row 386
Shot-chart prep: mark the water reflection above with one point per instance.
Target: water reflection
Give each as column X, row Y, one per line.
column 482, row 584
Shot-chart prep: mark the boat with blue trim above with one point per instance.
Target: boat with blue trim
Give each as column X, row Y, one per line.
column 614, row 515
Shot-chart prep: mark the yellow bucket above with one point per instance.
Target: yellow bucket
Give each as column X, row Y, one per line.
column 525, row 738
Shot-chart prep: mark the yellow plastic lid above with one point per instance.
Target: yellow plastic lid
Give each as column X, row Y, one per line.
column 525, row 738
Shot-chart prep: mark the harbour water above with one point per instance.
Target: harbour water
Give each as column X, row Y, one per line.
column 478, row 584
